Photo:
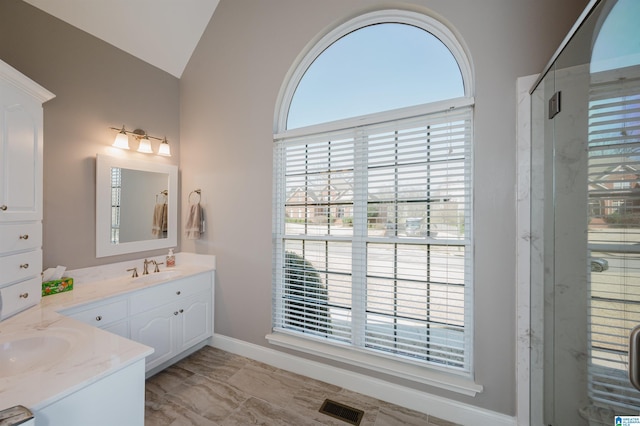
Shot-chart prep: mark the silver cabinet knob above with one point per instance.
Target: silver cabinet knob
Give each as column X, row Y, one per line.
column 24, row 295
column 3, row 207
column 24, row 237
column 175, row 313
column 181, row 310
column 178, row 292
column 99, row 318
column 24, row 266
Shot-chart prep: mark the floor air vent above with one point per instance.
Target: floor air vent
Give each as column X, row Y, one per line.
column 343, row 412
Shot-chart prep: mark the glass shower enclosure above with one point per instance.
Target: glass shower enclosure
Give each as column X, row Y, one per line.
column 585, row 222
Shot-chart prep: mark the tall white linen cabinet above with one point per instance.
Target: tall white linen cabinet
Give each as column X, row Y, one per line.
column 21, row 126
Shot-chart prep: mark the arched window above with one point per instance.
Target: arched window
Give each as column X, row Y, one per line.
column 377, row 68
column 372, row 198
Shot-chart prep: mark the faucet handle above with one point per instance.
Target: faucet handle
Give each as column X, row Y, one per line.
column 135, row 272
column 145, row 269
column 156, row 269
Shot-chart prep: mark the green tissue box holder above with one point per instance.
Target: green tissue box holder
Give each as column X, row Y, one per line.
column 57, row 286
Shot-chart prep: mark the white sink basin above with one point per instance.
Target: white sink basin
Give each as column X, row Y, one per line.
column 20, row 355
column 157, row 276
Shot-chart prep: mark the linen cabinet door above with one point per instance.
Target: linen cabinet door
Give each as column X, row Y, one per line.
column 156, row 328
column 21, row 162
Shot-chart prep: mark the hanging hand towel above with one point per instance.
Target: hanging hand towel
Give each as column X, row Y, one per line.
column 159, row 220
column 165, row 218
column 194, row 222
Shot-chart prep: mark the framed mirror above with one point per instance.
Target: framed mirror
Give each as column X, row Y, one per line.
column 136, row 205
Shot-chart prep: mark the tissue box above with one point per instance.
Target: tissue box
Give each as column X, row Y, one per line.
column 57, row 286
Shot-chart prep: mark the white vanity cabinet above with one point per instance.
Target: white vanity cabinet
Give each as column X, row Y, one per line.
column 21, row 118
column 172, row 317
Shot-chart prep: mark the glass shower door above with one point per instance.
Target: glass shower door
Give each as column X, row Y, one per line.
column 586, row 223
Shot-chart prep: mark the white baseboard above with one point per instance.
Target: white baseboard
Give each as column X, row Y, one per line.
column 438, row 406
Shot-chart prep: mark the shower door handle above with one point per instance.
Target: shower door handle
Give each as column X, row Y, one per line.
column 634, row 357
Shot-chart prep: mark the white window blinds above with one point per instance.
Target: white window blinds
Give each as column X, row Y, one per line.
column 372, row 238
column 614, row 234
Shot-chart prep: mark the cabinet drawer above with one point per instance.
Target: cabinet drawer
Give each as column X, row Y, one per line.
column 20, row 296
column 103, row 314
column 169, row 292
column 21, row 266
column 20, row 237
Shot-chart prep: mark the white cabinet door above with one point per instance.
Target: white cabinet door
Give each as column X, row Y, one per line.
column 157, row 328
column 173, row 327
column 195, row 320
column 21, row 159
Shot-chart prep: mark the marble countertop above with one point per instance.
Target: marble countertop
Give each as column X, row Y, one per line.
column 89, row 354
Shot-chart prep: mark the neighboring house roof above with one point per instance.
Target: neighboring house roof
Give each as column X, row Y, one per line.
column 617, row 173
column 338, row 190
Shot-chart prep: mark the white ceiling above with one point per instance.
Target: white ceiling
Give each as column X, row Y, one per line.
column 163, row 33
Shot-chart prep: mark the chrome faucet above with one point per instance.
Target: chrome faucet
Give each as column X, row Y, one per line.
column 156, row 269
column 135, row 272
column 145, row 270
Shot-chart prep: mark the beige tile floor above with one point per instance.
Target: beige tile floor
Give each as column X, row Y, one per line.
column 212, row 387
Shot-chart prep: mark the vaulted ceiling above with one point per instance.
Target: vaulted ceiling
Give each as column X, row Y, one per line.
column 163, row 33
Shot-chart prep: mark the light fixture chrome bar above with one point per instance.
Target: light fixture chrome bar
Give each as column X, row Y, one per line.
column 142, row 137
column 137, row 133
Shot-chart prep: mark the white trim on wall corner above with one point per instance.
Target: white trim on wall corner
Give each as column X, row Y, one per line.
column 523, row 261
column 438, row 406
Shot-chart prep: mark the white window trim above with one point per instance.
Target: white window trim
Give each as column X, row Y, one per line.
column 460, row 382
column 316, row 47
column 379, row 117
column 405, row 370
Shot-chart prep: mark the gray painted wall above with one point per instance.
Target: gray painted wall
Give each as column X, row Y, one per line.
column 228, row 98
column 96, row 86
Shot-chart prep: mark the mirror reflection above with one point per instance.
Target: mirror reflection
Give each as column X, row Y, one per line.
column 138, row 205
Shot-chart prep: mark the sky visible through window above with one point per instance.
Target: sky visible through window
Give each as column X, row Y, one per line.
column 618, row 42
column 376, row 68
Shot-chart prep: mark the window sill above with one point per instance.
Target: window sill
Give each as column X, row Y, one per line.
column 415, row 373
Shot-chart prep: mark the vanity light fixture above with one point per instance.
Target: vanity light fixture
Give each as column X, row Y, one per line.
column 122, row 140
column 144, row 144
column 164, row 148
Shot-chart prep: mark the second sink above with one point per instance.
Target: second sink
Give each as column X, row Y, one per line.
column 157, row 276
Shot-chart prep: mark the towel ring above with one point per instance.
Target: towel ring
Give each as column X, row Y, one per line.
column 165, row 195
column 196, row 191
